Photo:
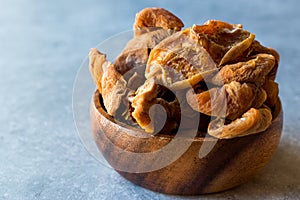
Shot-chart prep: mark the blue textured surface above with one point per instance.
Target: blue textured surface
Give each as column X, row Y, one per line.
column 42, row 44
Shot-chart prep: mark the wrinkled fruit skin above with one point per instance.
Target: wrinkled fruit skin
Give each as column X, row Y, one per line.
column 216, row 70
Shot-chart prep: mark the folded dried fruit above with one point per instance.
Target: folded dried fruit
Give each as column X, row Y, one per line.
column 253, row 121
column 223, row 41
column 229, row 101
column 179, row 61
column 271, row 87
column 145, row 98
column 98, row 64
column 156, row 17
column 254, row 70
column 135, row 54
column 166, row 76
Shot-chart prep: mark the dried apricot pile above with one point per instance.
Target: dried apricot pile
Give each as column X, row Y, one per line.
column 217, row 71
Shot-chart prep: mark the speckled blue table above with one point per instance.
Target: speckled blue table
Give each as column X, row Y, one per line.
column 42, row 44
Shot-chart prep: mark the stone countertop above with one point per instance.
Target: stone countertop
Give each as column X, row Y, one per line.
column 42, row 45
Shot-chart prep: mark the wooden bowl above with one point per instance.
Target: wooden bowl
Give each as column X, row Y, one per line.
column 230, row 163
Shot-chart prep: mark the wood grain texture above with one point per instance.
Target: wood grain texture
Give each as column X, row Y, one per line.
column 230, row 163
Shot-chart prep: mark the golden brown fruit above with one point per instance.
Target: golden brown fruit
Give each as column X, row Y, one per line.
column 256, row 48
column 113, row 90
column 229, row 101
column 253, row 121
column 224, row 42
column 254, row 70
column 136, row 52
column 146, row 97
column 272, row 91
column 239, row 70
column 179, row 61
column 156, row 17
column 97, row 65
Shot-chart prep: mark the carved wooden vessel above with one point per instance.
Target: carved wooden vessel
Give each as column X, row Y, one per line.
column 230, row 163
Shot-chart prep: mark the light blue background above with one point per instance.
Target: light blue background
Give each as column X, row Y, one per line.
column 42, row 44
